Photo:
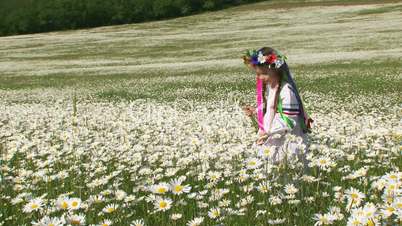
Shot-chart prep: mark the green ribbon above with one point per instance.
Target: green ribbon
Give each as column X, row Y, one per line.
column 284, row 117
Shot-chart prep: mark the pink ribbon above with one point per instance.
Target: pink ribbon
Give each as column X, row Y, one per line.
column 260, row 114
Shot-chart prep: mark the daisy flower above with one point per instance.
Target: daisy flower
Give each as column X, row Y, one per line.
column 49, row 221
column 261, row 58
column 324, row 163
column 393, row 176
column 355, row 221
column 176, row 216
column 264, row 187
column 370, row 210
column 76, row 219
column 138, row 223
column 277, row 221
column 162, row 204
column 33, row 205
column 291, row 189
column 253, row 163
column 177, row 188
column 120, row 194
column 160, row 188
column 266, row 151
column 62, row 203
column 105, row 222
column 96, row 199
column 74, row 203
column 323, row 219
column 196, row 221
column 388, row 210
column 110, row 208
column 354, row 197
column 214, row 213
column 214, row 176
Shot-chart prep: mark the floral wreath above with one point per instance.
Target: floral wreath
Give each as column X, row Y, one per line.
column 273, row 60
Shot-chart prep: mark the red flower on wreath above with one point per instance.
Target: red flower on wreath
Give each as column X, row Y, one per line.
column 271, row 58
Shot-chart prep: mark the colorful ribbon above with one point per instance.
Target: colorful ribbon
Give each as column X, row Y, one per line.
column 260, row 114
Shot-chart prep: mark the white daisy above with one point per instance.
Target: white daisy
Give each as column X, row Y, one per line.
column 105, row 222
column 176, row 216
column 214, row 213
column 49, row 221
column 261, row 57
column 74, row 203
column 33, row 205
column 323, row 219
column 177, row 188
column 76, row 219
column 160, row 188
column 253, row 163
column 291, row 189
column 62, row 203
column 162, row 204
column 354, row 197
column 196, row 221
column 110, row 208
column 139, row 222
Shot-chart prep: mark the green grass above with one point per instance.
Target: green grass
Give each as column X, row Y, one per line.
column 340, row 81
column 341, row 78
column 384, row 9
column 306, row 3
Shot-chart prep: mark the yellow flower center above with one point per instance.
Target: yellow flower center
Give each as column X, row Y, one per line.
column 356, row 222
column 34, row 206
column 354, row 196
column 64, row 205
column 74, row 203
column 162, row 204
column 110, row 209
column 161, row 190
column 178, row 188
column 390, row 209
column 75, row 222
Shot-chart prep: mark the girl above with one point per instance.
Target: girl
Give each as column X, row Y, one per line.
column 284, row 112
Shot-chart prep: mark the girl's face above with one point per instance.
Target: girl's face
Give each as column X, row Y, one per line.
column 265, row 73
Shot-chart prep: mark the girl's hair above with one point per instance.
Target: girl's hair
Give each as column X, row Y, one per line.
column 281, row 70
column 267, row 50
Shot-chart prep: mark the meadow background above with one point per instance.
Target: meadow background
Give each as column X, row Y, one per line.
column 94, row 122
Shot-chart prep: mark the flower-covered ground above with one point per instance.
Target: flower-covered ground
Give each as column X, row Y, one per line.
column 142, row 124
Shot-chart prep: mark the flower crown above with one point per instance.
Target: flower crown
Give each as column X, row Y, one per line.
column 273, row 60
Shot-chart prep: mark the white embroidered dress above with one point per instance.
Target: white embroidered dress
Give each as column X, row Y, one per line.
column 276, row 147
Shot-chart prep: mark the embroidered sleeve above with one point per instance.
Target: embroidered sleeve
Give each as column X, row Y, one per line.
column 290, row 105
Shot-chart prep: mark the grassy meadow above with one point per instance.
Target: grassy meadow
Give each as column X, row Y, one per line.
column 141, row 124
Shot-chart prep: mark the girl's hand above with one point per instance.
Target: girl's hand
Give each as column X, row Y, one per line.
column 249, row 110
column 262, row 137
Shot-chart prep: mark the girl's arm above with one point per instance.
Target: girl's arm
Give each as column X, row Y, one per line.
column 271, row 104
